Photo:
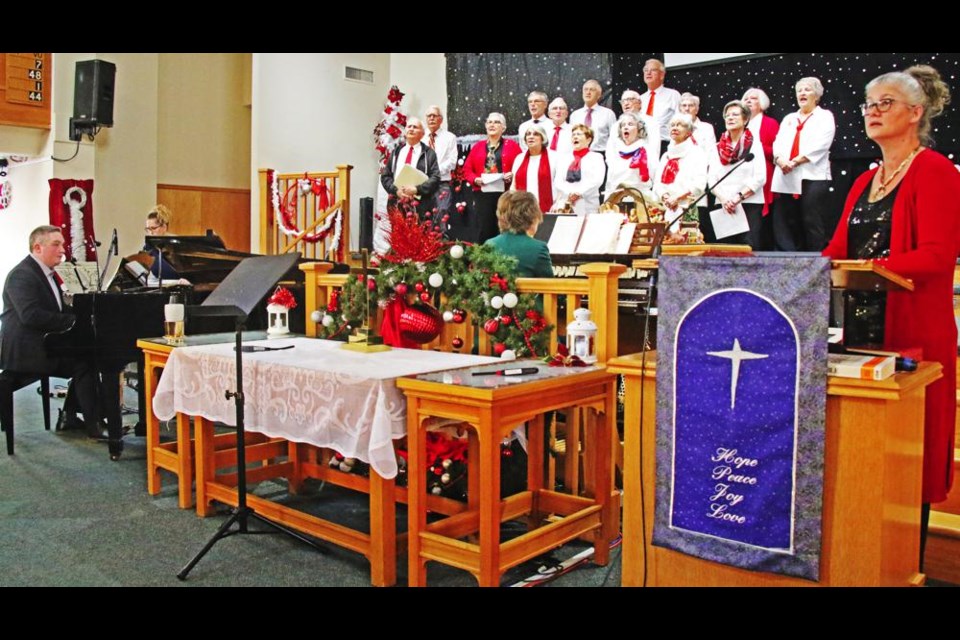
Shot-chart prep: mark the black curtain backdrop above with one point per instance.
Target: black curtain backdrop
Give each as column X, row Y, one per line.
column 478, row 83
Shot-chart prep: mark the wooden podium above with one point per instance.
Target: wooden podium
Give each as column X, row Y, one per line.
column 871, row 495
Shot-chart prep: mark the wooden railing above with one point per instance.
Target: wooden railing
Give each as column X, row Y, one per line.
column 599, row 288
column 310, row 217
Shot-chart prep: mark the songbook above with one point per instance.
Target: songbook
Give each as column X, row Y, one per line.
column 410, row 176
column 492, row 183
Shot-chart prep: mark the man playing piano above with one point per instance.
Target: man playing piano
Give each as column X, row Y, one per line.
column 32, row 307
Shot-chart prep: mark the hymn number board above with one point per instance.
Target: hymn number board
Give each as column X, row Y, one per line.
column 25, row 89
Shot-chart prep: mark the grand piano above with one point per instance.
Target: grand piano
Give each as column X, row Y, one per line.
column 109, row 323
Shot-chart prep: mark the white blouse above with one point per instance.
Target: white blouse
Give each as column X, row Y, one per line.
column 749, row 176
column 815, row 141
column 592, row 170
column 691, row 175
column 533, row 172
column 618, row 168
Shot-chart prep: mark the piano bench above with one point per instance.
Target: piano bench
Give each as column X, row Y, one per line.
column 11, row 382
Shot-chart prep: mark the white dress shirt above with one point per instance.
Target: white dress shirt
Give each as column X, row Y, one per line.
column 533, row 172
column 815, row 141
column 402, row 157
column 750, row 176
column 564, row 144
column 602, row 122
column 665, row 105
column 592, row 169
column 445, row 147
column 543, row 121
column 705, row 135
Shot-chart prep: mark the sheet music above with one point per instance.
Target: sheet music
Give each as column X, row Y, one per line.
column 492, row 183
column 409, row 176
column 566, row 235
column 600, row 233
column 80, row 278
column 726, row 225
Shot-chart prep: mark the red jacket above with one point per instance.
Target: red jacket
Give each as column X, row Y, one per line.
column 924, row 243
column 769, row 128
column 477, row 160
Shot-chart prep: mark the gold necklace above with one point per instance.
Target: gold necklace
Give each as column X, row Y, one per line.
column 884, row 181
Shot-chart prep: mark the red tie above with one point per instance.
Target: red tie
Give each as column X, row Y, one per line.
column 795, row 150
column 589, row 119
column 433, row 142
column 57, row 278
column 556, row 139
column 653, row 97
column 409, row 159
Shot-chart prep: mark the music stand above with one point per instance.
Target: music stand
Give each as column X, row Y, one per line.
column 236, row 297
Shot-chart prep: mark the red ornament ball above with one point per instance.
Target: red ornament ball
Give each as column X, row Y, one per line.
column 505, row 320
column 371, row 285
column 457, row 343
column 419, row 287
column 499, row 348
column 401, row 289
column 425, row 296
column 458, row 317
column 491, row 326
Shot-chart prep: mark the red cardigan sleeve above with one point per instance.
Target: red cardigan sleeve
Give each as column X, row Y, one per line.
column 926, row 219
column 473, row 166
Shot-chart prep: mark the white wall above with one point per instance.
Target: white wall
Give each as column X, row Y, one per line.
column 204, row 120
column 422, row 77
column 306, row 117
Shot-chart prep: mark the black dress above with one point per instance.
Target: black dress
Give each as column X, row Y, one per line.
column 869, row 231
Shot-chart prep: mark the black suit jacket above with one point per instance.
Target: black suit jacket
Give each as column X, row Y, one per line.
column 427, row 162
column 30, row 311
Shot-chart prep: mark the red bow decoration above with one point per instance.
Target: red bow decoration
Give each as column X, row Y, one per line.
column 283, row 297
column 395, row 94
column 401, row 120
column 497, row 281
column 564, row 359
column 394, row 131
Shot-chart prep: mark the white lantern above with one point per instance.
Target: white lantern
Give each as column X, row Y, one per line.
column 582, row 337
column 278, row 317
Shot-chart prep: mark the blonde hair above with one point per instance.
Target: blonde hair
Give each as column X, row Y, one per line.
column 517, row 211
column 922, row 86
column 161, row 214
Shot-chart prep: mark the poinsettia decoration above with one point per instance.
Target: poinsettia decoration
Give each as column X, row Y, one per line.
column 423, row 277
column 388, row 133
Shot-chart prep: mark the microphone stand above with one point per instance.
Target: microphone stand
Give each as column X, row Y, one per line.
column 651, row 291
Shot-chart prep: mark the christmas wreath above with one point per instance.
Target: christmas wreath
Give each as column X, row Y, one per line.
column 423, row 281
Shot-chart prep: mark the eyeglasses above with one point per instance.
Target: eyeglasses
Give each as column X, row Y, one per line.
column 881, row 106
column 152, row 229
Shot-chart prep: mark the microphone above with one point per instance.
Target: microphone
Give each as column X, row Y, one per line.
column 744, row 160
column 114, row 244
column 73, row 261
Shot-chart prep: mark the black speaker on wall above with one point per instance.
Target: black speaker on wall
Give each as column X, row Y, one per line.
column 93, row 90
column 366, row 223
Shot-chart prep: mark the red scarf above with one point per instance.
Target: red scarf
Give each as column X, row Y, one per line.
column 638, row 161
column 544, row 182
column 729, row 153
column 573, row 173
column 670, row 171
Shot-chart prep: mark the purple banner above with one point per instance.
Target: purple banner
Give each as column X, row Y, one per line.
column 741, row 409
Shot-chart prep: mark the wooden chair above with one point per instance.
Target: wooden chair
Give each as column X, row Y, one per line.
column 11, row 382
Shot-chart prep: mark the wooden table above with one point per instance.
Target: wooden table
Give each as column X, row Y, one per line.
column 304, row 388
column 493, row 407
column 871, row 493
column 177, row 456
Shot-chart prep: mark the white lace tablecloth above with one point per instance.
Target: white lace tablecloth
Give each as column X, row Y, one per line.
column 315, row 393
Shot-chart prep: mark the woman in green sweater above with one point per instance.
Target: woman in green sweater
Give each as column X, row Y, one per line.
column 519, row 216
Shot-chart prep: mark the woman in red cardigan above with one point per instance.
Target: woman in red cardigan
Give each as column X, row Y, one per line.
column 905, row 215
column 495, row 155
